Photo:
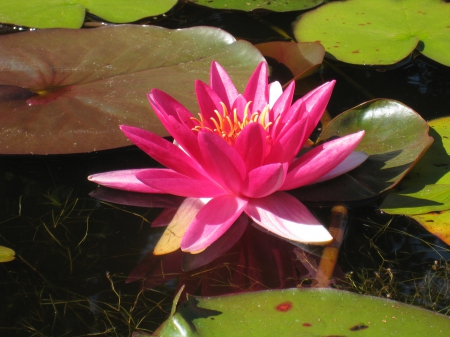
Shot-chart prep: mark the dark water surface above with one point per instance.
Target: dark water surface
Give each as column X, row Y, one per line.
column 74, row 252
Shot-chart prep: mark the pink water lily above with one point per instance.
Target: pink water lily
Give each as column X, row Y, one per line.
column 239, row 155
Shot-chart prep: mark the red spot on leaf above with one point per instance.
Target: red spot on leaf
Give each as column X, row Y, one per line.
column 355, row 52
column 284, row 307
column 307, row 324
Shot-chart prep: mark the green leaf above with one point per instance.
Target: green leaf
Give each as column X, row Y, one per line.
column 430, row 178
column 418, row 200
column 67, row 91
column 379, row 32
column 6, row 254
column 395, row 138
column 273, row 5
column 301, row 312
column 70, row 14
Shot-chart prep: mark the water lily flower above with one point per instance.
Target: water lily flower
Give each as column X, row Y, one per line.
column 239, row 155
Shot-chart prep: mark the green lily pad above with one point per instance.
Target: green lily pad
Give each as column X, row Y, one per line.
column 273, row 5
column 6, row 254
column 424, row 194
column 379, row 32
column 67, row 91
column 418, row 200
column 70, row 14
column 396, row 136
column 300, row 312
column 301, row 58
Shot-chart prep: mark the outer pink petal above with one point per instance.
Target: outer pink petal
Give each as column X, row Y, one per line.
column 281, row 214
column 165, row 105
column 316, row 102
column 257, row 89
column 171, row 182
column 222, row 162
column 251, row 145
column 264, row 180
column 355, row 159
column 211, row 222
column 320, row 160
column 123, row 180
column 222, row 84
column 208, row 101
column 163, row 151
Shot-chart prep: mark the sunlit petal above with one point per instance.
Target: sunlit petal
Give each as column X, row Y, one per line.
column 257, row 89
column 222, row 84
column 123, row 180
column 355, row 159
column 171, row 239
column 320, row 160
column 211, row 222
column 283, row 215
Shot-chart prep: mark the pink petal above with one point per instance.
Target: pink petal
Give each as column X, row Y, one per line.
column 222, row 84
column 170, row 240
column 186, row 139
column 286, row 147
column 217, row 248
column 283, row 215
column 320, row 160
column 208, row 101
column 264, row 180
column 165, row 105
column 275, row 91
column 251, row 145
column 123, row 180
column 283, row 102
column 163, row 151
column 257, row 89
column 355, row 159
column 222, row 162
column 316, row 102
column 171, row 182
column 239, row 105
column 211, row 222
column 285, row 120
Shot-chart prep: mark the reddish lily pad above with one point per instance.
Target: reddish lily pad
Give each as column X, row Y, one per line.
column 396, row 136
column 379, row 32
column 273, row 5
column 70, row 14
column 67, row 91
column 301, row 58
column 300, row 312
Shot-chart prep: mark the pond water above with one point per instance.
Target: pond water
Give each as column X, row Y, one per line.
column 74, row 252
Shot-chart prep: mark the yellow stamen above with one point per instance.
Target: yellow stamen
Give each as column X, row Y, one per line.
column 229, row 126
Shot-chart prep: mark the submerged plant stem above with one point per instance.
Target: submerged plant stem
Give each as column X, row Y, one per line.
column 330, row 254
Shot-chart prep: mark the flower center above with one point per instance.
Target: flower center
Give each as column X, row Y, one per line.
column 229, row 126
